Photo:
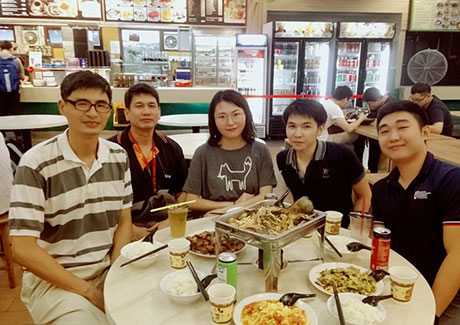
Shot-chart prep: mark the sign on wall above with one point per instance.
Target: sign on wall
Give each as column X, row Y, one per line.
column 437, row 15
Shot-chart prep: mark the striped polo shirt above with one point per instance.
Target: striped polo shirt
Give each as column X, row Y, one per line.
column 73, row 210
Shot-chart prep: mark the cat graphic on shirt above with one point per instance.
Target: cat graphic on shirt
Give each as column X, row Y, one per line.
column 235, row 176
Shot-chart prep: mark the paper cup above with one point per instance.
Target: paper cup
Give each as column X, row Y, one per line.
column 402, row 283
column 333, row 222
column 222, row 299
column 178, row 251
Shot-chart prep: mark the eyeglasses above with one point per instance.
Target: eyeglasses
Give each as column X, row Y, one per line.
column 84, row 105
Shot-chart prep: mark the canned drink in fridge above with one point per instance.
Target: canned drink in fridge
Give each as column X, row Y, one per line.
column 380, row 254
column 227, row 268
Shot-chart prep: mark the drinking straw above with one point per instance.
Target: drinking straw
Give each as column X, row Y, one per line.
column 362, row 216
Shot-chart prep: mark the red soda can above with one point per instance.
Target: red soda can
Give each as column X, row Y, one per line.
column 380, row 254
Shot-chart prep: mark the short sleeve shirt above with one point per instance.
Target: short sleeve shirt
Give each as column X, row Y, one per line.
column 223, row 175
column 437, row 111
column 416, row 215
column 333, row 112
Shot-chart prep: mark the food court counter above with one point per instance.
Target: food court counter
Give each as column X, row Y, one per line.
column 167, row 94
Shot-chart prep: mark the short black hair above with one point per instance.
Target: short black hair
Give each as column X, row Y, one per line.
column 403, row 106
column 234, row 97
column 371, row 95
column 342, row 92
column 420, row 88
column 6, row 45
column 140, row 88
column 84, row 80
column 306, row 107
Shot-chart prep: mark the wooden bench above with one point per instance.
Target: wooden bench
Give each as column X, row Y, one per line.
column 373, row 178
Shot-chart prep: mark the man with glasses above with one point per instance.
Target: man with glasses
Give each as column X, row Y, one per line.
column 439, row 117
column 70, row 209
column 156, row 161
column 335, row 117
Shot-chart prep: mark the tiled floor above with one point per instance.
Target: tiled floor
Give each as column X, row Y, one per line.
column 12, row 310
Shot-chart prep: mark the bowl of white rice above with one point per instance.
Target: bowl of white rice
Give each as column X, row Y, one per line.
column 355, row 312
column 180, row 286
column 137, row 248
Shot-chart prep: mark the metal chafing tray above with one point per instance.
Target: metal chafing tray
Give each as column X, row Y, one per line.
column 270, row 244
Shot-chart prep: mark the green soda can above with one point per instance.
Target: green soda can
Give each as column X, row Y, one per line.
column 227, row 268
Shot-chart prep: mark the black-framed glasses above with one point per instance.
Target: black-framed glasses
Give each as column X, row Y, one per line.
column 84, row 105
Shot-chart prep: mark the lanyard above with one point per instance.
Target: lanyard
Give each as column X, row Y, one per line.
column 153, row 165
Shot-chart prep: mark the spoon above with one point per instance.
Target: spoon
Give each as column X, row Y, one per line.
column 374, row 300
column 378, row 274
column 357, row 246
column 289, row 299
column 149, row 237
column 207, row 279
column 279, row 202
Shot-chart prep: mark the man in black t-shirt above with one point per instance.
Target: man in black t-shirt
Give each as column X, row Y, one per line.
column 420, row 203
column 439, row 117
column 326, row 172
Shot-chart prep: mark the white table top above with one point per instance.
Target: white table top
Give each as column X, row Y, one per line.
column 133, row 296
column 189, row 142
column 31, row 121
column 184, row 120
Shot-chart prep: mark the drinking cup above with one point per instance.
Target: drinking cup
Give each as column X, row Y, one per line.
column 402, row 283
column 178, row 251
column 361, row 226
column 222, row 299
column 177, row 221
column 333, row 222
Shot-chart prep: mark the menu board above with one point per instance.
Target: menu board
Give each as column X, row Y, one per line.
column 367, row 30
column 59, row 9
column 177, row 11
column 435, row 15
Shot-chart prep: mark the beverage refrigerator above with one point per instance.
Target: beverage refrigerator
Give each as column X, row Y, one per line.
column 298, row 63
column 363, row 56
column 251, row 72
column 213, row 61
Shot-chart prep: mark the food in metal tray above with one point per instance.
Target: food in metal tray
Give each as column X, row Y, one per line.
column 272, row 312
column 274, row 220
column 205, row 243
column 348, row 279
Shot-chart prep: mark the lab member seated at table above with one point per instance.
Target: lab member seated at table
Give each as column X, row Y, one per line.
column 374, row 100
column 419, row 201
column 156, row 161
column 232, row 168
column 326, row 172
column 439, row 117
column 343, row 130
column 70, row 209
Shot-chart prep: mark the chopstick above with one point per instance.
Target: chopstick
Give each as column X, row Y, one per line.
column 338, row 305
column 176, row 205
column 333, row 247
column 146, row 254
column 198, row 281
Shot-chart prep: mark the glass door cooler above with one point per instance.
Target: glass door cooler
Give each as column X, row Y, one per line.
column 348, row 64
column 316, row 65
column 377, row 65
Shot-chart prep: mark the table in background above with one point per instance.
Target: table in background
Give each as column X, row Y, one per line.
column 455, row 113
column 189, row 142
column 448, row 151
column 185, row 120
column 133, row 296
column 26, row 123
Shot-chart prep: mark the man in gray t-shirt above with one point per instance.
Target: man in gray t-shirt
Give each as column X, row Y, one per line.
column 224, row 175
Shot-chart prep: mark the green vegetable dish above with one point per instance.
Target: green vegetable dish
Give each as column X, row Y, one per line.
column 348, row 279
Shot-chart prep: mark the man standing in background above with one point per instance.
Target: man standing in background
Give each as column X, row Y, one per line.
column 11, row 74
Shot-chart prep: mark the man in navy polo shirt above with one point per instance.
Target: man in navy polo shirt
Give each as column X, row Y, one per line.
column 420, row 203
column 324, row 171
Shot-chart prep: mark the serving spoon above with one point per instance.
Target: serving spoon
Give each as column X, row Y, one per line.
column 357, row 246
column 289, row 299
column 378, row 274
column 374, row 300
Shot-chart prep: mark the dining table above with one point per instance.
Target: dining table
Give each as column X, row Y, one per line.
column 189, row 142
column 133, row 296
column 28, row 122
column 455, row 113
column 195, row 121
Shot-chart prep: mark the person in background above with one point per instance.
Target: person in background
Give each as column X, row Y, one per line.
column 374, row 100
column 232, row 168
column 70, row 209
column 6, row 177
column 439, row 117
column 419, row 201
column 336, row 118
column 156, row 161
column 10, row 82
column 326, row 172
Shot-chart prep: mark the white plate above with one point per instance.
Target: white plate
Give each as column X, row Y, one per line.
column 271, row 296
column 207, row 255
column 333, row 310
column 315, row 274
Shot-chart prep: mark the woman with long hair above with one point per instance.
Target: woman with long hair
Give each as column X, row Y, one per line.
column 232, row 168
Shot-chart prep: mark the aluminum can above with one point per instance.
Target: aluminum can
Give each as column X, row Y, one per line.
column 380, row 254
column 227, row 268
